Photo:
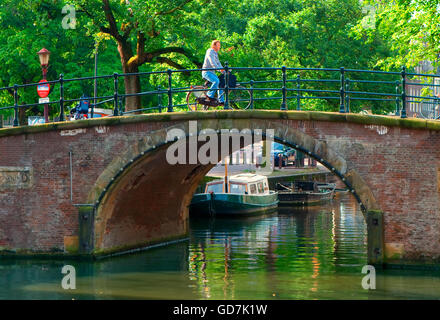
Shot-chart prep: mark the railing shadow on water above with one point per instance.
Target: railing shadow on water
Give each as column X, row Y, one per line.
column 344, row 90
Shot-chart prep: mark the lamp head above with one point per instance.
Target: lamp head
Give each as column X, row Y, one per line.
column 44, row 55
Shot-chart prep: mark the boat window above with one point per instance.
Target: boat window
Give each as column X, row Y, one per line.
column 216, row 188
column 266, row 188
column 260, row 187
column 253, row 189
column 237, row 188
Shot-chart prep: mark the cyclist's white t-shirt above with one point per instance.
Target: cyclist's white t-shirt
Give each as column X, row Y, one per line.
column 211, row 59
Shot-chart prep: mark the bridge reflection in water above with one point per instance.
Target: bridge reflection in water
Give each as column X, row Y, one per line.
column 310, row 253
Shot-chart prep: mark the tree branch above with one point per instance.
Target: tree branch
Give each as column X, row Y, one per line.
column 127, row 30
column 106, row 30
column 172, row 63
column 162, row 13
column 113, row 29
column 86, row 12
column 153, row 33
column 149, row 56
column 140, row 49
column 169, row 62
column 101, row 28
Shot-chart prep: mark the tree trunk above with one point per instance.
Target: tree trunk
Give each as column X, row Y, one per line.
column 132, row 85
column 22, row 116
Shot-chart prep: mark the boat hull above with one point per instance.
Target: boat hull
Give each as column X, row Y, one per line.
column 304, row 198
column 227, row 204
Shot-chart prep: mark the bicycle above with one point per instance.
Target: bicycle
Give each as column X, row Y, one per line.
column 239, row 97
column 81, row 110
column 429, row 108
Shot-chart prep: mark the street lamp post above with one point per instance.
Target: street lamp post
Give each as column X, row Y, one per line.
column 95, row 86
column 44, row 55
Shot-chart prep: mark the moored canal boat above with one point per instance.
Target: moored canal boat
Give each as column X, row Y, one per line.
column 238, row 195
column 299, row 193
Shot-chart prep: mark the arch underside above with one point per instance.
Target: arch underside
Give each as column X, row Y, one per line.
column 143, row 199
column 148, row 203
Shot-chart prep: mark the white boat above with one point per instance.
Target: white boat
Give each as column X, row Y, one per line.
column 241, row 194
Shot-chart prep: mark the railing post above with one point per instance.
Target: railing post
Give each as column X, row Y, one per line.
column 115, row 97
column 226, row 93
column 61, row 97
column 121, row 106
column 342, row 91
column 252, row 95
column 437, row 100
column 298, row 93
column 170, row 92
column 95, row 90
column 159, row 99
column 397, row 98
column 436, row 108
column 15, row 105
column 347, row 96
column 284, row 104
column 403, row 112
column 1, row 121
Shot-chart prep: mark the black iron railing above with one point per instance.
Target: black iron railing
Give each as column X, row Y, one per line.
column 285, row 84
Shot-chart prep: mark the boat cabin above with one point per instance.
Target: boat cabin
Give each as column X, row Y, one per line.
column 244, row 183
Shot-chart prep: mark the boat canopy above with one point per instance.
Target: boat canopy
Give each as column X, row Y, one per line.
column 247, row 178
column 243, row 183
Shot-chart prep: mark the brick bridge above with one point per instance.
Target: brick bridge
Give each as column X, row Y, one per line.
column 102, row 186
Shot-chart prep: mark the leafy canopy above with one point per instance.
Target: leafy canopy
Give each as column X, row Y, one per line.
column 411, row 28
column 156, row 35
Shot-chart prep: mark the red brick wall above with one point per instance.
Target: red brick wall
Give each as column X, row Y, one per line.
column 400, row 166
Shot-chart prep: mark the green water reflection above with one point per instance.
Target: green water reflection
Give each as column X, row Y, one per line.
column 311, row 253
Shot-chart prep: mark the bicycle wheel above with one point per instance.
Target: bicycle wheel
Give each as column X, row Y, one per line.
column 427, row 109
column 240, row 98
column 192, row 96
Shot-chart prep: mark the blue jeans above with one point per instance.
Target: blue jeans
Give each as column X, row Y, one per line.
column 212, row 77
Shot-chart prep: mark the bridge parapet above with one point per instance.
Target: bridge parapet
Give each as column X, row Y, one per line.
column 373, row 121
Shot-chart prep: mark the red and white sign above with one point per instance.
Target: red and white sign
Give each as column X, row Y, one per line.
column 43, row 89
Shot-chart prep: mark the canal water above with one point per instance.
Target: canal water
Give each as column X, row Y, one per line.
column 306, row 253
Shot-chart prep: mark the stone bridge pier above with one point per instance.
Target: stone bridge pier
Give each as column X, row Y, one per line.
column 104, row 186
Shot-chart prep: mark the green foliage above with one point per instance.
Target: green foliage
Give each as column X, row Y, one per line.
column 26, row 27
column 258, row 33
column 410, row 28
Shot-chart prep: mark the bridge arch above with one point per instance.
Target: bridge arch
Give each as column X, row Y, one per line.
column 134, row 205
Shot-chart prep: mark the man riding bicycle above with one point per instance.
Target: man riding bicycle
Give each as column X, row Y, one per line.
column 212, row 61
